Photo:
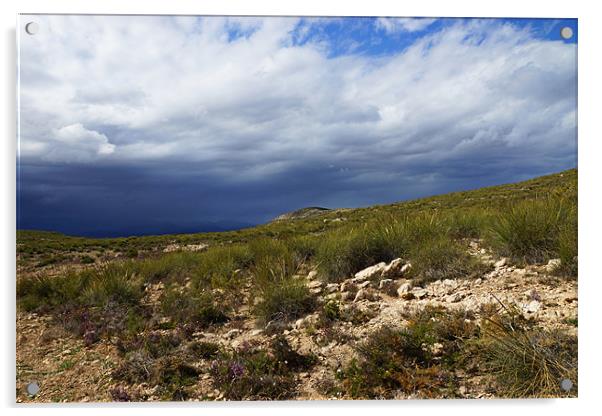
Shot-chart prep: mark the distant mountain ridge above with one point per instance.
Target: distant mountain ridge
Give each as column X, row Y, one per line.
column 302, row 213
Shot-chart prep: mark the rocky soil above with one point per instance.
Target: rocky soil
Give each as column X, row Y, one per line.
column 67, row 370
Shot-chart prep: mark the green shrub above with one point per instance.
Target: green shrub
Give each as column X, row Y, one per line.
column 567, row 249
column 529, row 230
column 442, row 258
column 87, row 259
column 468, row 223
column 221, row 267
column 528, row 362
column 198, row 309
column 256, row 374
column 111, row 284
column 284, row 300
column 304, row 247
column 404, row 359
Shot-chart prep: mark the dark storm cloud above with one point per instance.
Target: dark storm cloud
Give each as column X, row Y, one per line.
column 157, row 124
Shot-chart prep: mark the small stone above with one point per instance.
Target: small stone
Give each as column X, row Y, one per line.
column 403, row 289
column 405, row 268
column 553, row 265
column 478, row 281
column 361, row 294
column 315, row 284
column 393, row 269
column 454, row 297
column 232, row 333
column 408, row 296
column 365, row 284
column 348, row 286
column 369, row 272
column 500, row 263
column 437, row 349
column 533, row 306
column 312, row 275
column 384, row 283
column 420, row 293
column 256, row 332
column 332, row 287
column 462, row 390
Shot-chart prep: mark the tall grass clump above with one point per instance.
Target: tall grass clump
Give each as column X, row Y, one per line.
column 89, row 288
column 284, row 300
column 199, row 309
column 469, row 222
column 528, row 362
column 442, row 258
column 529, row 230
column 280, row 296
column 176, row 265
column 567, row 247
column 222, row 266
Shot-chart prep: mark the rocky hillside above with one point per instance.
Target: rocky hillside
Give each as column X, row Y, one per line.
column 445, row 297
column 302, row 213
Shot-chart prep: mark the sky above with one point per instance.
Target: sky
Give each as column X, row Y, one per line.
column 133, row 125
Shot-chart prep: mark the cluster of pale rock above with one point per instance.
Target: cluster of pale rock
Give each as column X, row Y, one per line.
column 365, row 284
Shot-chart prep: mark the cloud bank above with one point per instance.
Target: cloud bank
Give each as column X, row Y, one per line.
column 239, row 119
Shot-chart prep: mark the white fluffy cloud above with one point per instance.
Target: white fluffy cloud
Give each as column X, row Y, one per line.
column 240, row 97
column 404, row 24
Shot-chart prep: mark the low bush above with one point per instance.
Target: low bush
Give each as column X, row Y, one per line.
column 283, row 301
column 442, row 258
column 528, row 362
column 529, row 230
column 199, row 309
column 95, row 287
column 417, row 358
column 256, row 374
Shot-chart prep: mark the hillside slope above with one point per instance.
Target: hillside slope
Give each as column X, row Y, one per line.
column 461, row 295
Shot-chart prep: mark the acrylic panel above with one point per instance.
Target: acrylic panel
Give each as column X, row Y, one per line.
column 295, row 208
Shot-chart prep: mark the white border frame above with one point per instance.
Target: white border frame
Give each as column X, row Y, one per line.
column 590, row 34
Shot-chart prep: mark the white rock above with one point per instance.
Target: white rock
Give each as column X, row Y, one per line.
column 332, row 287
column 500, row 263
column 404, row 288
column 393, row 269
column 312, row 275
column 552, row 265
column 361, row 294
column 420, row 293
column 315, row 284
column 437, row 349
column 533, row 306
column 367, row 283
column 369, row 272
column 405, row 268
column 348, row 286
column 346, row 296
column 454, row 297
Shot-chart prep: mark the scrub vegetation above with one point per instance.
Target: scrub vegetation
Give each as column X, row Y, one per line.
column 154, row 297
